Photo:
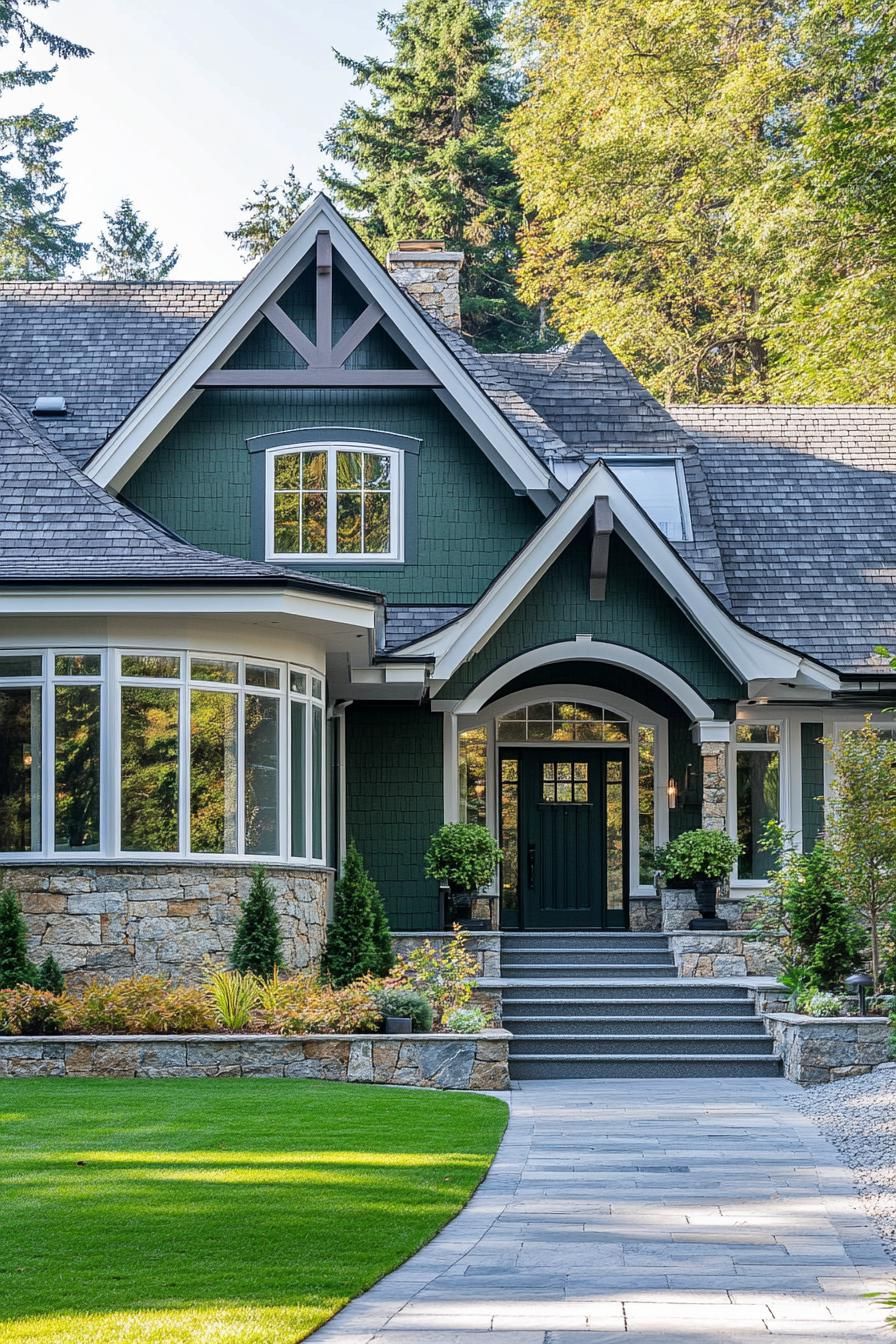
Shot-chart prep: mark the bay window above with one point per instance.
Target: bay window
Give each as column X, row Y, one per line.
column 126, row 753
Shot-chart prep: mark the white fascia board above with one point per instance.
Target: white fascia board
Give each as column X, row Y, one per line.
column 129, row 446
column 748, row 655
column 187, row 601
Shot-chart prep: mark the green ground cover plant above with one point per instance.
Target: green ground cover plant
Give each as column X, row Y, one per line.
column 205, row 1211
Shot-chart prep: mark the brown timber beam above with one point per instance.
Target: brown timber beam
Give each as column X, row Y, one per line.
column 600, row 548
column 318, row 377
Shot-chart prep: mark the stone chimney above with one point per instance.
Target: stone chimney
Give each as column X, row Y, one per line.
column 429, row 273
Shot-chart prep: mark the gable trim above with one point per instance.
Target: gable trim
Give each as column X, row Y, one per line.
column 127, row 448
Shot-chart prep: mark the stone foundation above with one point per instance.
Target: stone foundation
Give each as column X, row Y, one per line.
column 679, row 907
column 645, row 914
column 485, row 947
column 822, row 1049
column 118, row 920
column 476, row 1063
column 724, row 952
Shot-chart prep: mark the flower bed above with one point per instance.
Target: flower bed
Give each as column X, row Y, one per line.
column 452, row 1062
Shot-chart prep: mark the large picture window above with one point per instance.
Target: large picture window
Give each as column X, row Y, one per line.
column 758, row 793
column 333, row 501
column 130, row 752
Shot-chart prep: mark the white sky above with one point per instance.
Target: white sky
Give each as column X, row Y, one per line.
column 186, row 105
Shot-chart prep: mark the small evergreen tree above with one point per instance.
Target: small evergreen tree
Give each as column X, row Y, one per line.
column 256, row 947
column 268, row 214
column 16, row 968
column 381, row 933
column 49, row 976
column 351, row 951
column 130, row 250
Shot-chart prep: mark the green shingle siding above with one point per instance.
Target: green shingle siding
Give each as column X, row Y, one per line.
column 394, row 803
column 469, row 524
column 813, row 782
column 636, row 612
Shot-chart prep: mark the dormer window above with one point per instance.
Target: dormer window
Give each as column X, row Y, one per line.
column 659, row 487
column 334, row 501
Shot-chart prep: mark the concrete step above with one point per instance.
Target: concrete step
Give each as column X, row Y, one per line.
column 645, row 1066
column 603, row 988
column 564, row 1024
column 574, row 1044
column 545, row 970
column 589, row 961
column 619, row 1010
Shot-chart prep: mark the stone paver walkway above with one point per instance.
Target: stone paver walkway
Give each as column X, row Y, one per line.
column 639, row 1212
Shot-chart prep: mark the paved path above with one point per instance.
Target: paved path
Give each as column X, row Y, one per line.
column 701, row 1210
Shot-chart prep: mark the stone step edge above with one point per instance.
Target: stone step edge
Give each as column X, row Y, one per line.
column 642, row 1059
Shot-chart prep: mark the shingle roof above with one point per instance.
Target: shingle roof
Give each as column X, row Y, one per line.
column 56, row 526
column 100, row 344
column 407, row 624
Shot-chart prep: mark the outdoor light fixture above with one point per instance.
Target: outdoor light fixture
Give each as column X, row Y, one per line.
column 861, row 982
column 672, row 792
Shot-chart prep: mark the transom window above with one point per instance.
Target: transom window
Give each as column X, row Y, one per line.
column 334, row 501
column 556, row 721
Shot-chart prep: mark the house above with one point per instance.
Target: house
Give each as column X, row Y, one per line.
column 288, row 562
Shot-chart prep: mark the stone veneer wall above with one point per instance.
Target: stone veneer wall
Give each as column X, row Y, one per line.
column 477, row 1063
column 115, row 920
column 821, row 1049
column 724, row 953
column 484, row 946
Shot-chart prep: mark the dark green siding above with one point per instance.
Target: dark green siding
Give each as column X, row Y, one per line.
column 636, row 612
column 394, row 803
column 813, row 782
column 469, row 523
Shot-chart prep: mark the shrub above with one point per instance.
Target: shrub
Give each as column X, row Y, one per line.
column 143, row 1003
column 234, row 996
column 820, row 1004
column 463, row 855
column 16, row 968
column 256, row 946
column 400, row 1001
column 50, row 976
column 465, row 1020
column 351, row 951
column 303, row 1005
column 696, row 854
column 26, row 1011
column 445, row 974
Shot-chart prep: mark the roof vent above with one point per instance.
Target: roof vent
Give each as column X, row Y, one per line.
column 48, row 406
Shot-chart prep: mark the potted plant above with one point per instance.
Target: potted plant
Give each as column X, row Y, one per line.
column 465, row 857
column 404, row 1010
column 701, row 860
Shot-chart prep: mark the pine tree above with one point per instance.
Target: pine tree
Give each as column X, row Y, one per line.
column 381, row 934
column 49, row 975
column 35, row 243
column 128, row 249
column 16, row 968
column 426, row 156
column 256, row 946
column 268, row 214
column 351, row 951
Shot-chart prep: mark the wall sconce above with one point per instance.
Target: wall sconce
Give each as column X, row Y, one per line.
column 26, row 758
column 672, row 793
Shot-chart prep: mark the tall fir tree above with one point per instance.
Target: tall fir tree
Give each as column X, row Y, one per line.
column 267, row 215
column 35, row 242
column 426, row 156
column 256, row 945
column 128, row 249
column 351, row 950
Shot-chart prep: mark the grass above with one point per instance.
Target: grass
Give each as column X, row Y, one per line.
column 219, row 1211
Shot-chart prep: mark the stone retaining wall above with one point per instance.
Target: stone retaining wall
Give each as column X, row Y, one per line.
column 485, row 946
column 679, row 907
column 821, row 1049
column 724, row 952
column 477, row 1063
column 116, row 920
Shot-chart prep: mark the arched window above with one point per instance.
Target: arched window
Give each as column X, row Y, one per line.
column 334, row 501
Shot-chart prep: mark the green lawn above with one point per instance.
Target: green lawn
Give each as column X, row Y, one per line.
column 220, row 1211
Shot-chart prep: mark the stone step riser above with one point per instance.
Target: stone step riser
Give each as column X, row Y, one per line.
column 692, row 1067
column 583, row 943
column 559, row 989
column 620, row 1010
column 593, row 973
column 560, row 1026
column 641, row 1045
column 585, row 961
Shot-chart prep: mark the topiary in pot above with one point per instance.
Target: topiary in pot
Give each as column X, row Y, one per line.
column 400, row 1001
column 465, row 856
column 702, row 860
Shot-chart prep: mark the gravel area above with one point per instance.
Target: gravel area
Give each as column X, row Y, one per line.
column 858, row 1116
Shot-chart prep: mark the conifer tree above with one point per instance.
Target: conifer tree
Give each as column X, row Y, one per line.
column 49, row 975
column 16, row 968
column 351, row 951
column 426, row 155
column 128, row 249
column 381, row 934
column 256, row 946
column 267, row 215
column 35, row 243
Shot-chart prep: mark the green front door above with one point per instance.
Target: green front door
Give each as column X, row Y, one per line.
column 571, row 836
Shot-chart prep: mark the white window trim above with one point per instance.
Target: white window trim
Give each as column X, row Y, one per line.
column 637, row 716
column 331, row 555
column 613, row 460
column 110, row 680
column 790, row 805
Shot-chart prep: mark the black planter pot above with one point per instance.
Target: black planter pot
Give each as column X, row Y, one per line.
column 706, row 891
column 398, row 1026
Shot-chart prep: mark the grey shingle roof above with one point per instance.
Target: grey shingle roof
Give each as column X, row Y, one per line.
column 100, row 344
column 406, row 624
column 56, row 526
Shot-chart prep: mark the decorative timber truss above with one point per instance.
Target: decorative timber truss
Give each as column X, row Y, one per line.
column 324, row 359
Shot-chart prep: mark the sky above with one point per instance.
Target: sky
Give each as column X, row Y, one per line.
column 186, row 105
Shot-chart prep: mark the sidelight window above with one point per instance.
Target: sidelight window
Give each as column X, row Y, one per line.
column 757, row 750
